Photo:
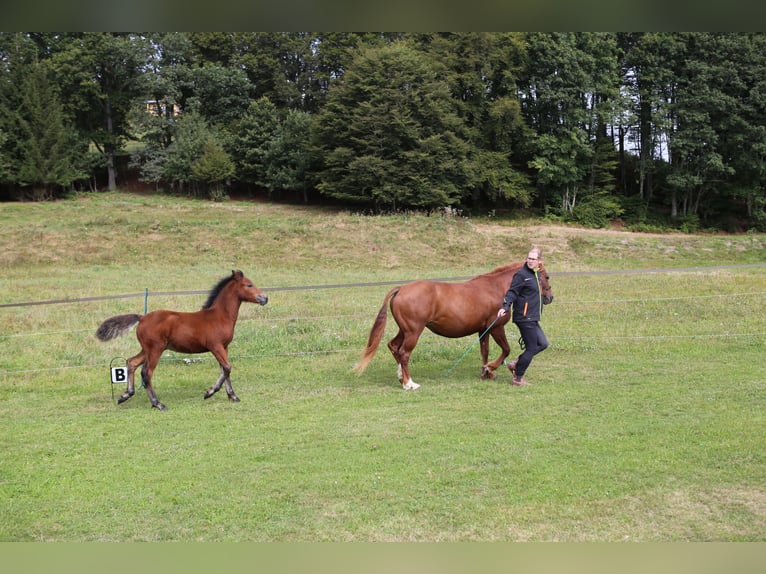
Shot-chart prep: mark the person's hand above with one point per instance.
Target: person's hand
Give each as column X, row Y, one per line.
column 501, row 312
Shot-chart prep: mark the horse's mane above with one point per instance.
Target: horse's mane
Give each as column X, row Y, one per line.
column 504, row 268
column 216, row 291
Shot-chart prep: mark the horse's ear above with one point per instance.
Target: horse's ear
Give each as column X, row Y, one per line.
column 237, row 273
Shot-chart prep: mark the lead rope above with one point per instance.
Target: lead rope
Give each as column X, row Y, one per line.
column 472, row 346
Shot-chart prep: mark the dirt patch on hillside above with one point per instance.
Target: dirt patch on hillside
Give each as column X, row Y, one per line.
column 559, row 239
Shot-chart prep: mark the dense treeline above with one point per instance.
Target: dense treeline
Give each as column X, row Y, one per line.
column 653, row 128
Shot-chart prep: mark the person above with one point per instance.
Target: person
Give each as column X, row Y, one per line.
column 525, row 297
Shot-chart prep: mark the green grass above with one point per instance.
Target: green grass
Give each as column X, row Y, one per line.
column 645, row 423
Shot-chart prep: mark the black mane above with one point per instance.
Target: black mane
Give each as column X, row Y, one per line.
column 216, row 291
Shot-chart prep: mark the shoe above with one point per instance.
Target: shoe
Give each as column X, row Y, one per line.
column 520, row 381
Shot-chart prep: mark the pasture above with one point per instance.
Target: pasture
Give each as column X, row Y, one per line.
column 646, row 421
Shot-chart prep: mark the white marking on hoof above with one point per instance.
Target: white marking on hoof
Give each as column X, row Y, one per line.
column 411, row 385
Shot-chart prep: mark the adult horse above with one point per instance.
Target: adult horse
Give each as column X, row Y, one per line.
column 450, row 310
column 209, row 330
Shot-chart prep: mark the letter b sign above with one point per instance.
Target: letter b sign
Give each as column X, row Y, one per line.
column 119, row 375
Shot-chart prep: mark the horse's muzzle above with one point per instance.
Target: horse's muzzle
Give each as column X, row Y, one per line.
column 261, row 299
column 547, row 299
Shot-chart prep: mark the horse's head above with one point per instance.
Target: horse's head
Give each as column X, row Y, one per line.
column 246, row 289
column 545, row 284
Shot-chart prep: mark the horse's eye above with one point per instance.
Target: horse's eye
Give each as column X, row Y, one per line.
column 249, row 285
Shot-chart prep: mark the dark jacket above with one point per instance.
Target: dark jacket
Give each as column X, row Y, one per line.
column 524, row 295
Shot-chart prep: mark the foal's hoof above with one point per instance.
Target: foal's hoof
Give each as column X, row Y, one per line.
column 160, row 406
column 487, row 374
column 123, row 398
column 234, row 398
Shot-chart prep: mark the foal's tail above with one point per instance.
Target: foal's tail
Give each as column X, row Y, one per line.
column 116, row 326
column 376, row 333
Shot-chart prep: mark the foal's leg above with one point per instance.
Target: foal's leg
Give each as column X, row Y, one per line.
column 222, row 356
column 152, row 359
column 133, row 364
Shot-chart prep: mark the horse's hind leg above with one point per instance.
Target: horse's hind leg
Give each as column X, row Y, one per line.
column 401, row 348
column 395, row 346
column 410, row 340
column 133, row 364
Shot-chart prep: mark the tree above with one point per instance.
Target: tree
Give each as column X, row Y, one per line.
column 168, row 65
column 288, row 157
column 101, row 73
column 706, row 113
column 174, row 165
column 5, row 163
column 570, row 88
column 219, row 93
column 553, row 106
column 48, row 146
column 389, row 136
column 39, row 143
column 214, row 167
column 251, row 139
column 192, row 135
column 749, row 144
column 650, row 83
column 481, row 71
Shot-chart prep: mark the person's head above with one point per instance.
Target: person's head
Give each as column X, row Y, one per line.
column 534, row 258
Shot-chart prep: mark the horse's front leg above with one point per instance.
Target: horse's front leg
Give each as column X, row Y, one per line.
column 498, row 334
column 225, row 378
column 486, row 369
column 229, row 389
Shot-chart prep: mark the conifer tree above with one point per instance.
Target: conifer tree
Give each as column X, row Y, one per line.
column 43, row 149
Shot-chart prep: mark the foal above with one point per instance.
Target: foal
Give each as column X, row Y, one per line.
column 209, row 330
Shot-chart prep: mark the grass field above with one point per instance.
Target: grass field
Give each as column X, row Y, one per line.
column 646, row 421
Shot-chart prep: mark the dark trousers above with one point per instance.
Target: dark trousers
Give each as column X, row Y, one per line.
column 535, row 342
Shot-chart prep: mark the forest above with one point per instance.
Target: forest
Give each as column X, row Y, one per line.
column 654, row 130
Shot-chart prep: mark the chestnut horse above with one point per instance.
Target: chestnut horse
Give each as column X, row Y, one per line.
column 450, row 310
column 209, row 330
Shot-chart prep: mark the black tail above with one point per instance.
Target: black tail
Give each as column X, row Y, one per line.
column 116, row 326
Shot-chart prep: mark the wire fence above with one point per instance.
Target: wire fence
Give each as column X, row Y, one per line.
column 363, row 317
column 148, row 293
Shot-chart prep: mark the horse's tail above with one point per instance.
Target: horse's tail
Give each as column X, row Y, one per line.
column 376, row 333
column 116, row 326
